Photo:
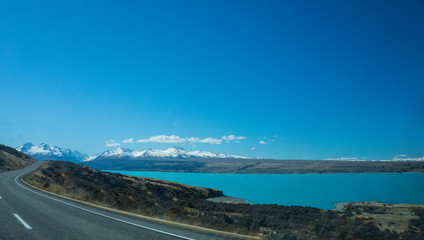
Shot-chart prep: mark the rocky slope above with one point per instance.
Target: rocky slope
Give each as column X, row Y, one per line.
column 11, row 159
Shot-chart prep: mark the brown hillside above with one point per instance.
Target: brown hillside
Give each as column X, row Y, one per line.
column 11, row 159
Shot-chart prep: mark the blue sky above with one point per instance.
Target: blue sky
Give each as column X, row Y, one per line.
column 309, row 79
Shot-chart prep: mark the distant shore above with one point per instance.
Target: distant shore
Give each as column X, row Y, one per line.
column 259, row 166
column 344, row 205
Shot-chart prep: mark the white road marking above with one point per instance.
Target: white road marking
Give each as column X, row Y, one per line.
column 100, row 214
column 22, row 221
column 0, row 197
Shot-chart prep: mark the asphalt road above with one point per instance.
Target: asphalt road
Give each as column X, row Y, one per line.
column 26, row 213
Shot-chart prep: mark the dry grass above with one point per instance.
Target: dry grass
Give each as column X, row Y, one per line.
column 394, row 217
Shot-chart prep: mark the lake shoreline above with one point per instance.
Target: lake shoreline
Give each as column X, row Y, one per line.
column 297, row 189
column 257, row 166
column 341, row 206
column 228, row 199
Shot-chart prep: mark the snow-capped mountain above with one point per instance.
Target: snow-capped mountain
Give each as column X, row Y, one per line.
column 173, row 152
column 46, row 152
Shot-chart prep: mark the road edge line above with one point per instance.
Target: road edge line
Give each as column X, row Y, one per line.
column 22, row 221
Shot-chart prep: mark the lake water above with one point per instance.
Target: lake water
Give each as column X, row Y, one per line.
column 315, row 190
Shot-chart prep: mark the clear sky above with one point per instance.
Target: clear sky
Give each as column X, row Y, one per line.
column 289, row 79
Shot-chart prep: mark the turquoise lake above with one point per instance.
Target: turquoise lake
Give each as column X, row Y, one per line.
column 315, row 190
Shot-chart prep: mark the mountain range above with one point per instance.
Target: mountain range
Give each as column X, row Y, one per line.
column 46, row 152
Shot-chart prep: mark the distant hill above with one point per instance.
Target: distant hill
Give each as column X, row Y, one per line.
column 11, row 159
column 216, row 165
column 46, row 152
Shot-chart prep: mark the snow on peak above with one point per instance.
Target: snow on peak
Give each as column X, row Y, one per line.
column 91, row 158
column 119, row 152
column 25, row 147
column 173, row 152
column 44, row 151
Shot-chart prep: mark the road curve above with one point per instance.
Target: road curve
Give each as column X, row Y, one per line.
column 26, row 213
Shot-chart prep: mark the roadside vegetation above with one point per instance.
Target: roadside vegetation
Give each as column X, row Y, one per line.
column 187, row 204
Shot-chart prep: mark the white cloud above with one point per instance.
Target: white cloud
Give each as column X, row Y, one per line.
column 131, row 140
column 402, row 157
column 206, row 140
column 232, row 137
column 163, row 139
column 211, row 140
column 252, row 148
column 191, row 140
column 113, row 144
column 268, row 139
column 262, row 142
